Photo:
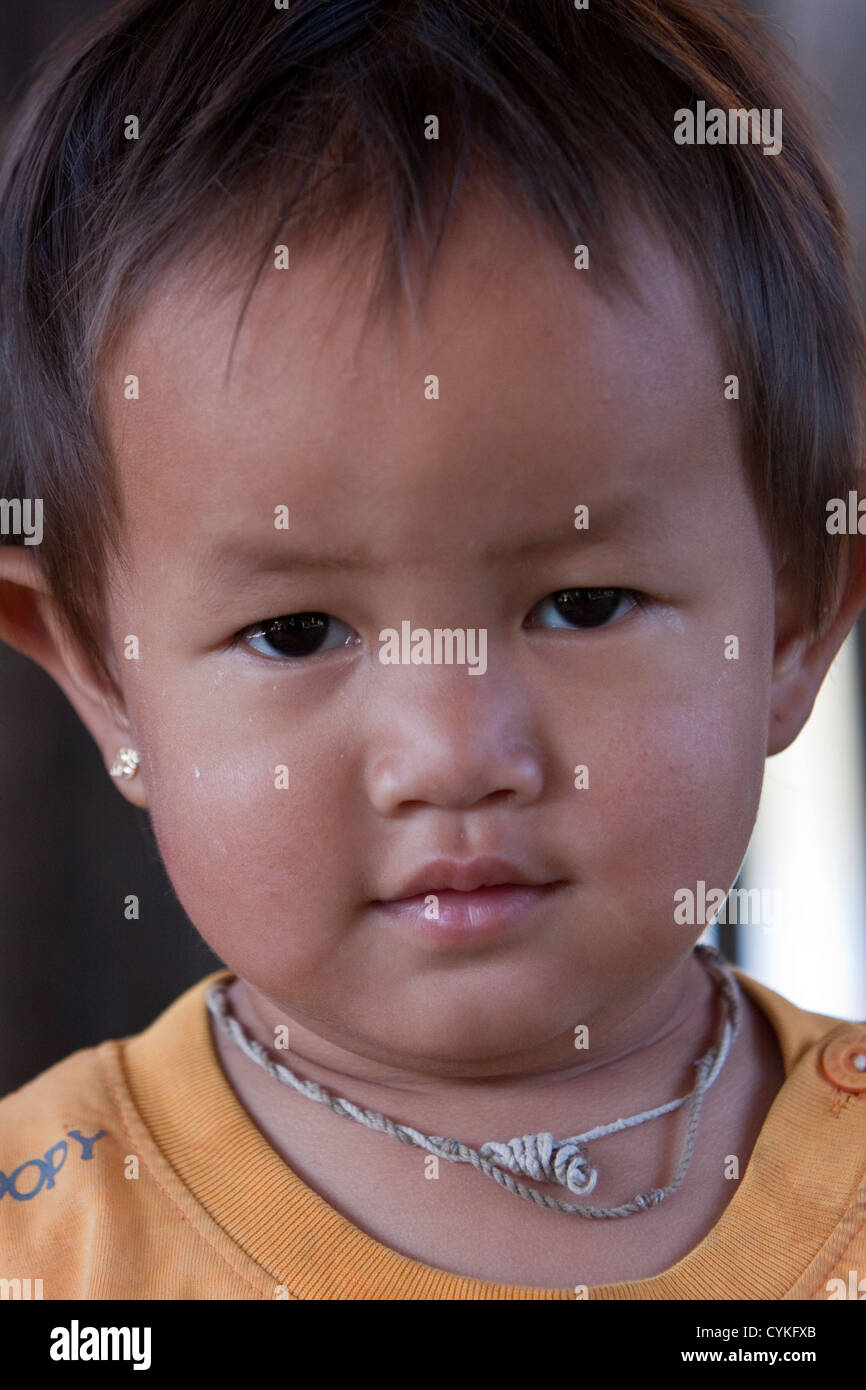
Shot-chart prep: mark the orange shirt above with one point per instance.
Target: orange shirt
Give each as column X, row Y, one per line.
column 131, row 1171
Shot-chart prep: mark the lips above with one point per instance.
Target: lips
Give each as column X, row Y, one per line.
column 465, row 876
column 434, row 917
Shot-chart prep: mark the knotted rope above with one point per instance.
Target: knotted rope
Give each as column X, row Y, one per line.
column 537, row 1156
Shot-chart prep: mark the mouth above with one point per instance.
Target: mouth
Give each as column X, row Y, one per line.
column 466, row 876
column 438, row 909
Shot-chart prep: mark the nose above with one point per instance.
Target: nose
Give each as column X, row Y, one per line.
column 448, row 740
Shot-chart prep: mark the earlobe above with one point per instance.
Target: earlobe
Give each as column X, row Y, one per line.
column 125, row 768
column 30, row 624
column 792, row 696
column 801, row 660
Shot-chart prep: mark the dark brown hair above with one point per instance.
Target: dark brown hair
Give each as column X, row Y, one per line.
column 258, row 123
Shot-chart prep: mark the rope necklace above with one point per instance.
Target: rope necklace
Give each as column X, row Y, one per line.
column 537, row 1156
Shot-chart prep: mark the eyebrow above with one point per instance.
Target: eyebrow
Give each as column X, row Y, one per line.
column 234, row 556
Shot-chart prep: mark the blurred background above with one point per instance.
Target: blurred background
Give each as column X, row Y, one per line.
column 75, row 971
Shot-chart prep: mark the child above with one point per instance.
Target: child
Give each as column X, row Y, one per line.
column 444, row 645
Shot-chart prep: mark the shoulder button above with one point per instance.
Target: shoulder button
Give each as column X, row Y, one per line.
column 843, row 1062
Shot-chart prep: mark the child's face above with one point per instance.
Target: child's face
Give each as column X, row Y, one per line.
column 456, row 512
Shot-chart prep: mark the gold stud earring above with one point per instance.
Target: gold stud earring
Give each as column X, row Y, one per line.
column 126, row 763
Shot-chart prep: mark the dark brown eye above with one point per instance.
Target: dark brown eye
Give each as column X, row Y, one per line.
column 587, row 608
column 296, row 635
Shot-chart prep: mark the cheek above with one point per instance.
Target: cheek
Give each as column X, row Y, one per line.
column 247, row 827
column 676, row 792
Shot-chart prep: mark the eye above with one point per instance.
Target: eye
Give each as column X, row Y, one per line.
column 587, row 608
column 297, row 635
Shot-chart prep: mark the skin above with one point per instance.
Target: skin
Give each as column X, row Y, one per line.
column 550, row 396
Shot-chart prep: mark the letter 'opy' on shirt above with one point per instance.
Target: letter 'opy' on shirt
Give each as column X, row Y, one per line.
column 132, row 1171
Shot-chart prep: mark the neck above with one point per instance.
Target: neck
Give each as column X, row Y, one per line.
column 641, row 1058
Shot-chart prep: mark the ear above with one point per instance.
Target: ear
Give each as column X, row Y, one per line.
column 29, row 622
column 800, row 662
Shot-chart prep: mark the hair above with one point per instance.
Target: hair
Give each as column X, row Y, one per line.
column 259, row 123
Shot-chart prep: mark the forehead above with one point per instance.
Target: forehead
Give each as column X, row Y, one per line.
column 518, row 383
